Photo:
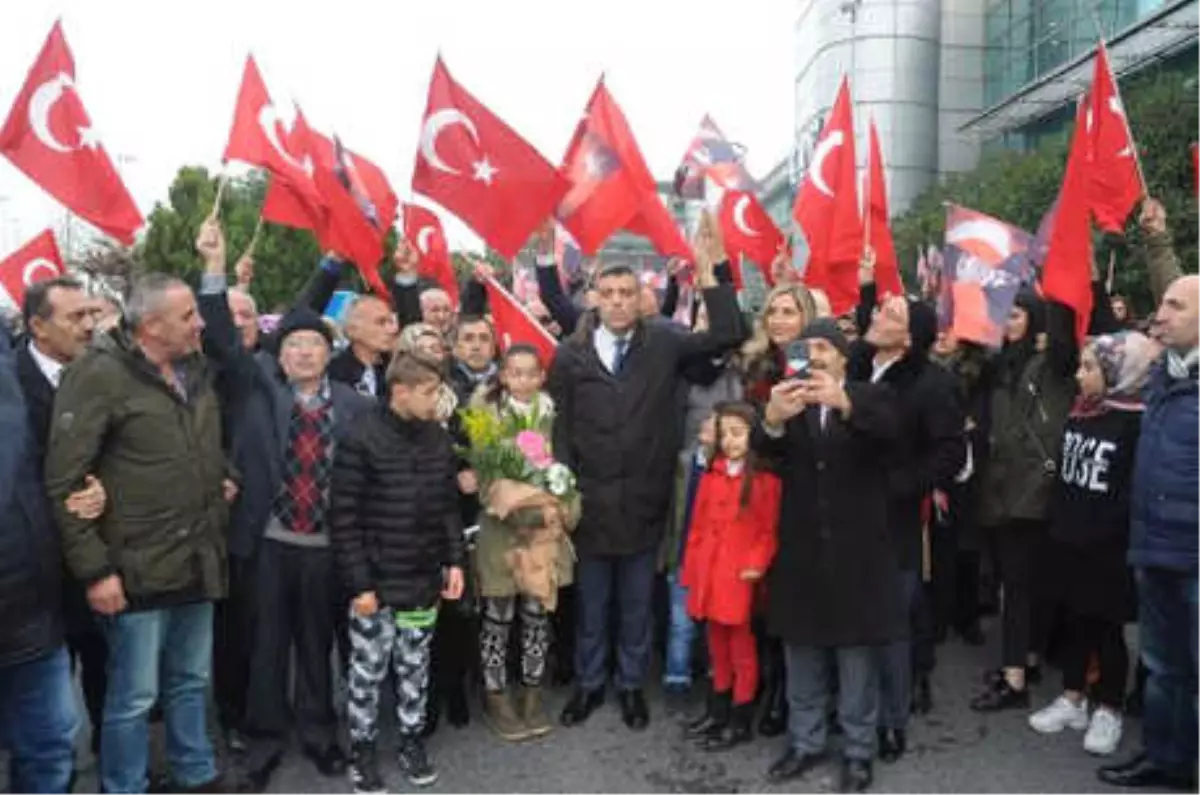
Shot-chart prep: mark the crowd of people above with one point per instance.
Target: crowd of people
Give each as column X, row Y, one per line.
column 188, row 502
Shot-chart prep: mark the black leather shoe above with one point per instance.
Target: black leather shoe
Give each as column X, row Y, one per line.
column 856, row 776
column 582, row 704
column 329, row 761
column 1143, row 772
column 633, row 709
column 736, row 732
column 1000, row 697
column 892, row 744
column 791, row 765
column 715, row 717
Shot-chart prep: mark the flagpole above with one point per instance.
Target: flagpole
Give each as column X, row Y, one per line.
column 1137, row 157
column 867, row 195
column 216, row 208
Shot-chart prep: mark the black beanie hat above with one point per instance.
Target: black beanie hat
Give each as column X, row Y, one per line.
column 826, row 328
column 303, row 319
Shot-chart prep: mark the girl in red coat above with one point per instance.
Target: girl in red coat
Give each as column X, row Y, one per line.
column 730, row 546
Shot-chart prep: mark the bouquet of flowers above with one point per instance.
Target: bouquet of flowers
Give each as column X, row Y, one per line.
column 510, row 446
column 527, row 491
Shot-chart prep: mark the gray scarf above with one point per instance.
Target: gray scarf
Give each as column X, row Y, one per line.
column 1181, row 366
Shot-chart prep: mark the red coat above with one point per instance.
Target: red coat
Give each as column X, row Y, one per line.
column 726, row 539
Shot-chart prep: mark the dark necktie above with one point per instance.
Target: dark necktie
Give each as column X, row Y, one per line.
column 620, row 352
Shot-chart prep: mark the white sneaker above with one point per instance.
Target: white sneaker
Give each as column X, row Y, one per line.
column 1061, row 714
column 1104, row 734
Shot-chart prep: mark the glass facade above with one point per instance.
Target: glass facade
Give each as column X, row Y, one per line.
column 1028, row 39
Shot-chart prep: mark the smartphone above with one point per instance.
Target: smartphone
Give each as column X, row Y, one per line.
column 799, row 365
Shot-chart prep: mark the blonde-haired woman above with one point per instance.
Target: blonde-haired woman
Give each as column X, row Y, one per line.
column 785, row 313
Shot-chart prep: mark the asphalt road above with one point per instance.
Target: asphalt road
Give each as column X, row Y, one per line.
column 953, row 750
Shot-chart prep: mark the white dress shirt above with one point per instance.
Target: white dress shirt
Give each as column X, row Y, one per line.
column 50, row 368
column 606, row 347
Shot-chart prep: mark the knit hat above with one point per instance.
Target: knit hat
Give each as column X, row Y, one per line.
column 303, row 319
column 826, row 328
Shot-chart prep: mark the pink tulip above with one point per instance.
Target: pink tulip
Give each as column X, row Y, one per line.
column 533, row 446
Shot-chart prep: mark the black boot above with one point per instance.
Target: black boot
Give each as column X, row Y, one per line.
column 715, row 717
column 736, row 732
column 775, row 711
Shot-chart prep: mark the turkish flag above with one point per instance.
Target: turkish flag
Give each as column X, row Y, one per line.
column 827, row 209
column 35, row 261
column 1067, row 271
column 49, row 136
column 347, row 202
column 514, row 324
column 879, row 231
column 1114, row 182
column 476, row 166
column 611, row 185
column 423, row 229
column 258, row 136
column 748, row 231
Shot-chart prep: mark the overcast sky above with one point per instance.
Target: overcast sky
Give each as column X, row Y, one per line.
column 159, row 78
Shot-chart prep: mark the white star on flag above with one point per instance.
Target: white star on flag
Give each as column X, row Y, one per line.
column 484, row 171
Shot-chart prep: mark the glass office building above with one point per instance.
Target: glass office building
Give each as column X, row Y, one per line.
column 1030, row 39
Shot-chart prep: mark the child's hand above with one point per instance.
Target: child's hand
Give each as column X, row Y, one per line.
column 751, row 575
column 454, row 584
column 366, row 604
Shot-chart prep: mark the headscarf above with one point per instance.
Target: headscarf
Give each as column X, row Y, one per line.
column 1125, row 359
column 411, row 333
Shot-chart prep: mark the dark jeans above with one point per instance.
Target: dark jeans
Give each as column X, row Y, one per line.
column 902, row 660
column 89, row 653
column 1017, row 546
column 1167, row 618
column 596, row 577
column 38, row 723
column 232, row 630
column 810, row 689
column 1088, row 635
column 155, row 654
column 293, row 609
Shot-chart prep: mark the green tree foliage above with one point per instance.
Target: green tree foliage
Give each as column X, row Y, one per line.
column 1019, row 187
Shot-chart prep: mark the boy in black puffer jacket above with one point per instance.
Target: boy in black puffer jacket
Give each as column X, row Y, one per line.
column 397, row 536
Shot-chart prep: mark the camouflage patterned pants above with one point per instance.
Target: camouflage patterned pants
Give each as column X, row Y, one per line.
column 373, row 641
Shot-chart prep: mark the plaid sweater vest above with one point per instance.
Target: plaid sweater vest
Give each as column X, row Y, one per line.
column 308, row 466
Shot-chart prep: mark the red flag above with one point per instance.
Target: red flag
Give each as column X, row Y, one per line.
column 259, row 138
column 1114, row 182
column 611, row 186
column 1196, row 168
column 35, row 261
column 348, row 202
column 748, row 231
column 879, row 231
column 827, row 209
column 423, row 229
column 1067, row 272
column 476, row 166
column 515, row 325
column 49, row 136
